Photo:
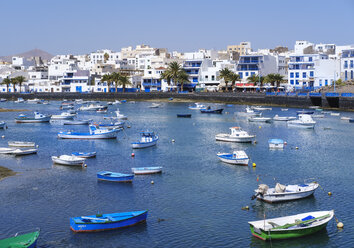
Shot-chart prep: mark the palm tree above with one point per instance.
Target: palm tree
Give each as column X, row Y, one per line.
column 174, row 69
column 233, row 77
column 7, row 82
column 124, row 81
column 182, row 78
column 274, row 79
column 166, row 76
column 20, row 80
column 115, row 77
column 13, row 82
column 107, row 78
column 225, row 74
column 255, row 79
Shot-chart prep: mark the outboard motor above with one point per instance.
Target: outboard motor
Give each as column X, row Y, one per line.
column 262, row 189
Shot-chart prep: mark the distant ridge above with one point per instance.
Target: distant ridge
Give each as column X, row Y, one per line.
column 32, row 53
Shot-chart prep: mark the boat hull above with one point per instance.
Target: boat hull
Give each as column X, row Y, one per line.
column 234, row 161
column 211, row 111
column 227, row 138
column 97, row 227
column 276, row 146
column 140, row 145
column 109, row 135
column 121, row 179
column 146, row 170
column 65, row 162
column 77, row 123
column 184, row 115
column 21, row 144
column 273, row 198
column 28, row 240
column 32, row 120
column 306, row 126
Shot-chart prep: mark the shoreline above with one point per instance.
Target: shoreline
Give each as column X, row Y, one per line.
column 6, row 172
column 13, row 110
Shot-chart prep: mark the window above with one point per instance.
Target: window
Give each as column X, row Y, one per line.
column 345, row 75
column 292, row 81
column 345, row 64
column 311, row 73
column 212, row 77
column 246, row 74
column 253, row 73
column 297, row 75
column 351, row 75
column 241, row 75
column 326, row 82
column 351, row 64
column 206, row 77
column 291, row 75
column 310, row 59
column 304, row 74
column 321, row 82
column 297, row 82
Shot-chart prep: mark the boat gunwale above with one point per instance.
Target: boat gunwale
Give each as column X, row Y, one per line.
column 110, row 221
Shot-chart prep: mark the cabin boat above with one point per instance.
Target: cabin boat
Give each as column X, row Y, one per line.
column 237, row 157
column 284, row 192
column 260, row 108
column 115, row 177
column 276, row 144
column 33, row 101
column 335, row 114
column 84, row 154
column 112, row 125
column 66, row 107
column 63, row 116
column 304, row 121
column 260, row 119
column 283, row 118
column 19, row 100
column 103, row 222
column 250, row 112
column 77, row 122
column 293, row 226
column 21, row 240
column 20, row 152
column 237, row 135
column 102, row 110
column 120, row 116
column 95, row 133
column 3, row 100
column 3, row 125
column 208, row 110
column 197, row 106
column 21, row 144
column 91, row 107
column 36, row 119
column 146, row 170
column 68, row 160
column 155, row 105
column 147, row 139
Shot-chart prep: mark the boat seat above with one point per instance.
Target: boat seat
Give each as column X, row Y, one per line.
column 273, row 224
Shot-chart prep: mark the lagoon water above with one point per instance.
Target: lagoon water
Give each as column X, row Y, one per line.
column 197, row 200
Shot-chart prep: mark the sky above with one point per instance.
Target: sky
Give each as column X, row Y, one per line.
column 84, row 26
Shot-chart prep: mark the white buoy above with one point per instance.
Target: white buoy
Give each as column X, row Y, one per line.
column 173, row 140
column 152, row 182
column 340, row 225
column 3, row 136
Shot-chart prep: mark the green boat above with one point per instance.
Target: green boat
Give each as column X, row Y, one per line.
column 293, row 226
column 28, row 240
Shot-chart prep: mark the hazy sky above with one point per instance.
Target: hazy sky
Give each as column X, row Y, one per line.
column 83, row 26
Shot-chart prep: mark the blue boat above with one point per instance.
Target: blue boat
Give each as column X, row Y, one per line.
column 115, row 177
column 95, row 133
column 208, row 110
column 84, row 154
column 103, row 222
column 305, row 112
column 351, row 120
column 147, row 139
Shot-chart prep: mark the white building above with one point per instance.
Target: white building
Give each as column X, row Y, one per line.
column 347, row 65
column 105, row 56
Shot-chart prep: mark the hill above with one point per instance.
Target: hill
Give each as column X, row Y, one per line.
column 32, row 53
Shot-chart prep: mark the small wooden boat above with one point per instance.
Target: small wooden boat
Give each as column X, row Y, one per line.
column 84, row 154
column 77, row 122
column 36, row 119
column 68, row 160
column 63, row 116
column 103, row 222
column 19, row 100
column 6, row 150
column 147, row 139
column 237, row 157
column 184, row 115
column 284, row 192
column 146, row 170
column 250, row 112
column 260, row 119
column 3, row 125
column 28, row 240
column 21, row 152
column 66, row 107
column 283, row 118
column 237, row 135
column 21, row 144
column 293, row 226
column 318, row 116
column 115, row 177
column 33, row 101
column 95, row 133
column 344, row 118
column 208, row 110
column 276, row 144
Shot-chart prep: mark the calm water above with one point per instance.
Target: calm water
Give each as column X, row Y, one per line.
column 197, row 200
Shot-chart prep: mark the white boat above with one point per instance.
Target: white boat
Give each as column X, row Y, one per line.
column 68, row 160
column 3, row 100
column 344, row 118
column 146, row 170
column 63, row 116
column 20, row 152
column 77, row 122
column 250, row 112
column 304, row 121
column 237, row 157
column 283, row 118
column 95, row 133
column 197, row 106
column 314, row 107
column 36, row 119
column 260, row 108
column 19, row 100
column 33, row 101
column 237, row 135
column 120, row 116
column 112, row 125
column 284, row 109
column 276, row 144
column 3, row 125
column 116, row 102
column 147, row 139
column 335, row 114
column 21, row 144
column 66, row 107
column 260, row 119
column 6, row 150
column 318, row 116
column 284, row 192
column 91, row 107
column 155, row 105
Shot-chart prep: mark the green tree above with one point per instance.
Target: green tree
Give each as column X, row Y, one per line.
column 107, row 78
column 182, row 78
column 13, row 82
column 275, row 79
column 225, row 74
column 20, row 80
column 256, row 79
column 174, row 70
column 115, row 76
column 7, row 82
column 233, row 77
column 166, row 76
column 123, row 81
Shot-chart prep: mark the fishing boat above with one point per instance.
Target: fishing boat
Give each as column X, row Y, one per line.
column 102, row 110
column 33, row 101
column 77, row 122
column 237, row 157
column 284, row 109
column 6, row 150
column 283, row 118
column 260, row 119
column 335, row 114
column 66, row 107
column 293, row 226
column 260, row 108
column 318, row 116
column 284, row 192
column 276, row 144
column 344, row 118
column 184, row 115
column 304, row 121
column 20, row 152
column 351, row 120
column 36, row 119
column 63, row 116
column 3, row 100
column 112, row 125
column 314, row 107
column 19, row 100
column 305, row 112
column 146, row 170
column 116, row 102
column 21, row 144
column 103, row 222
column 84, row 154
column 208, row 110
column 91, row 107
column 68, row 160
column 197, row 106
column 236, row 135
column 95, row 133
column 3, row 125
column 120, row 116
column 155, row 105
column 115, row 177
column 28, row 240
column 250, row 112
column 147, row 139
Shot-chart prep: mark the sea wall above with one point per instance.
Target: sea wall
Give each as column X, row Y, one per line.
column 300, row 101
